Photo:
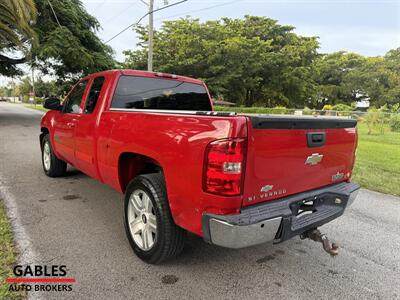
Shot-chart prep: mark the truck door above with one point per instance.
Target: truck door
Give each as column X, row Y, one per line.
column 86, row 129
column 65, row 124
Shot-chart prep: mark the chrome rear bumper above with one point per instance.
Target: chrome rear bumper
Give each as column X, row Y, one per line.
column 277, row 221
column 235, row 236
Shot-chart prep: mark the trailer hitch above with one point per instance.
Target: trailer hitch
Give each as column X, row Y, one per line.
column 317, row 236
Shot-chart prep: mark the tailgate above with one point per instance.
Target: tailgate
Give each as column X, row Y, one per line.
column 288, row 155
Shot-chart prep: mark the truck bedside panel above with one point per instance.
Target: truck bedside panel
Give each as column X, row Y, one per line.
column 177, row 143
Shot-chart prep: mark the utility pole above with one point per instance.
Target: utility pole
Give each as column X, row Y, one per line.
column 13, row 87
column 151, row 36
column 33, row 85
column 150, row 13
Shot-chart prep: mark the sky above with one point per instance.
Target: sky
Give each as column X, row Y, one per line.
column 366, row 27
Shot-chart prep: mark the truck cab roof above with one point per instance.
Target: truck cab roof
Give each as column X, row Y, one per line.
column 130, row 72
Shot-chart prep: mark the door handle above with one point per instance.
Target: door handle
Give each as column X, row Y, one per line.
column 316, row 139
column 70, row 124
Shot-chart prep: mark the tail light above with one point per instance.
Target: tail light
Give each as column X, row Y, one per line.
column 354, row 156
column 224, row 167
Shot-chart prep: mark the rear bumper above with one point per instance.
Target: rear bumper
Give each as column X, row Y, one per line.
column 277, row 221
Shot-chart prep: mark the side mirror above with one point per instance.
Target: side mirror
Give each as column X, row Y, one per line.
column 52, row 103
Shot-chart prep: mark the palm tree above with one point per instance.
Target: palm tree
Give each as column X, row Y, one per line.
column 16, row 33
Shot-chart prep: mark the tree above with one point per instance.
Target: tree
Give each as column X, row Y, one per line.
column 346, row 77
column 248, row 61
column 337, row 78
column 16, row 33
column 63, row 43
column 25, row 86
column 46, row 88
column 392, row 93
column 257, row 62
column 68, row 44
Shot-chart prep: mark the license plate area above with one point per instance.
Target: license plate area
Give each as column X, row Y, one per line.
column 305, row 207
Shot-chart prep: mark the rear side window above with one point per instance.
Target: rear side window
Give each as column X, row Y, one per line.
column 73, row 101
column 154, row 93
column 94, row 94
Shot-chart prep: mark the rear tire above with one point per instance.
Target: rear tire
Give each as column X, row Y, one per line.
column 151, row 231
column 52, row 166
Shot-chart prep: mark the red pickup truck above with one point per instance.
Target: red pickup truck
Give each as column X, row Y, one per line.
column 235, row 180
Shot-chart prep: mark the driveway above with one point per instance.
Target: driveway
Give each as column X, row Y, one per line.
column 77, row 221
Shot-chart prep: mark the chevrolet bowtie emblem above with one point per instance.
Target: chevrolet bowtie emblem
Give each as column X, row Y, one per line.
column 266, row 188
column 314, row 159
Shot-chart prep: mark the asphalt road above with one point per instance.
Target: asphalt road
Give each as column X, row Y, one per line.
column 77, row 221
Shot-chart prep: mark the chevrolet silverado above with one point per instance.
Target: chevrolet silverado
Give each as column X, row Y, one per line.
column 235, row 180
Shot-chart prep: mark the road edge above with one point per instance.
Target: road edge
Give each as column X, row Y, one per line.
column 26, row 253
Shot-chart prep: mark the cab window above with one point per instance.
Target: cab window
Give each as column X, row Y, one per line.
column 156, row 93
column 94, row 94
column 74, row 99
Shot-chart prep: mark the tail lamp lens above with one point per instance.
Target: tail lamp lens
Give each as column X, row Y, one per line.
column 354, row 155
column 223, row 170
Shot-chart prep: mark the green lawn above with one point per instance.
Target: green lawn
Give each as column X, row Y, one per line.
column 37, row 107
column 8, row 256
column 378, row 161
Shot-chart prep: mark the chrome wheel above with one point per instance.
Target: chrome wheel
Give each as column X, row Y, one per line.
column 46, row 156
column 142, row 220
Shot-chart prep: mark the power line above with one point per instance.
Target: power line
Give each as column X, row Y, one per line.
column 54, row 13
column 145, row 15
column 120, row 13
column 126, row 28
column 101, row 4
column 198, row 10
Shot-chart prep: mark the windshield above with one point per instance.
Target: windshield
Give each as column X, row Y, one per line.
column 153, row 93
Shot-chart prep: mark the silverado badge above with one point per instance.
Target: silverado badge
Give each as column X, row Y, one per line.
column 267, row 192
column 314, row 159
column 337, row 176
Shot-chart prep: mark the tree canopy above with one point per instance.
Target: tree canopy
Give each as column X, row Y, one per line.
column 257, row 62
column 245, row 60
column 70, row 45
column 62, row 43
column 346, row 77
column 254, row 61
column 16, row 33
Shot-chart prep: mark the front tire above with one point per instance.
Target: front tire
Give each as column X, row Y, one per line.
column 151, row 231
column 52, row 166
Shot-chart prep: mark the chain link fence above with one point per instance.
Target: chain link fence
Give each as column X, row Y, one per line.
column 377, row 122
